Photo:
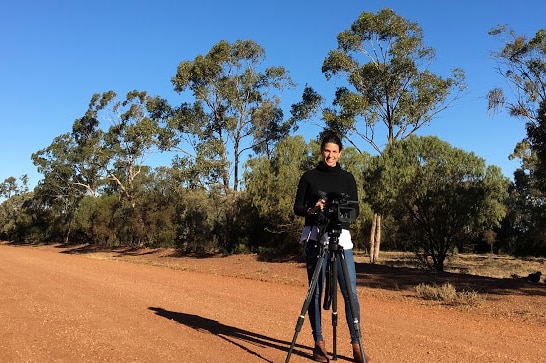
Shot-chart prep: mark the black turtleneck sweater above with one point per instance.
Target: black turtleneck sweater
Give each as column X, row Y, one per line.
column 323, row 179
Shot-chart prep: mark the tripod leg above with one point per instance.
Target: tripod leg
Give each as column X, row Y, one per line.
column 352, row 305
column 333, row 296
column 307, row 301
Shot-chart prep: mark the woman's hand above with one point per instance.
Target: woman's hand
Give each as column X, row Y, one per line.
column 320, row 204
column 319, row 207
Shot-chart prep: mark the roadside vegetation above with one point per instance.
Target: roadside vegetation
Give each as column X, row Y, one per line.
column 447, row 293
column 233, row 157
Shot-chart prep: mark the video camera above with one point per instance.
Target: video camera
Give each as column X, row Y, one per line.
column 339, row 208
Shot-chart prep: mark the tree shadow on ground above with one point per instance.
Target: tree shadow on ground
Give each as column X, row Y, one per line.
column 231, row 334
column 406, row 278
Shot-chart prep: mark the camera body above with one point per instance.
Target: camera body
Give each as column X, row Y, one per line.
column 339, row 208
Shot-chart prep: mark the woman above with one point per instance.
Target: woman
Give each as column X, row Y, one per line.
column 327, row 178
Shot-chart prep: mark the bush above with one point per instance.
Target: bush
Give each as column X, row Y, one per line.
column 448, row 294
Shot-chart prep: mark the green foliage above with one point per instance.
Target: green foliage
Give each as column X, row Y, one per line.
column 440, row 195
column 536, row 136
column 10, row 186
column 235, row 111
column 523, row 231
column 271, row 185
column 199, row 221
column 164, row 215
column 14, row 217
column 19, row 221
column 385, row 64
column 93, row 221
column 88, row 160
column 132, row 135
column 97, row 189
column 522, row 62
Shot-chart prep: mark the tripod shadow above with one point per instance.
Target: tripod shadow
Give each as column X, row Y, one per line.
column 230, row 334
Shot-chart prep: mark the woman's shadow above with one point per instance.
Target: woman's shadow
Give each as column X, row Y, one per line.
column 229, row 333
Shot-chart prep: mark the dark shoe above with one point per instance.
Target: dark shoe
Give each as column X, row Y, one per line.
column 319, row 353
column 357, row 356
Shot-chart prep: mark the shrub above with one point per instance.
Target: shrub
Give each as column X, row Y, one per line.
column 448, row 294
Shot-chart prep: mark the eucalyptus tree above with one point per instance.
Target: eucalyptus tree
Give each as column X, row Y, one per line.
column 16, row 218
column 14, row 197
column 389, row 91
column 10, row 186
column 236, row 111
column 536, row 134
column 71, row 169
column 448, row 197
column 66, row 169
column 106, row 149
column 522, row 63
column 122, row 149
column 90, row 157
column 68, row 177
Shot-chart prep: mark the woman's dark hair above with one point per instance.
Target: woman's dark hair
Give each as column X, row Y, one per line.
column 330, row 137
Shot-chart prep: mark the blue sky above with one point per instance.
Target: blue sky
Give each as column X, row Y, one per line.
column 54, row 55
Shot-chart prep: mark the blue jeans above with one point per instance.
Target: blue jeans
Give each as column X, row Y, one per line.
column 312, row 253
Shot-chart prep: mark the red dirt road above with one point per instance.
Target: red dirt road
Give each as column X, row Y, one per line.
column 66, row 307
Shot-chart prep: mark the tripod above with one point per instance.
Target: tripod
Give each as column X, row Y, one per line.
column 333, row 252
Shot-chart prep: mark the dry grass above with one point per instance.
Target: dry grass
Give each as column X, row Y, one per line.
column 447, row 293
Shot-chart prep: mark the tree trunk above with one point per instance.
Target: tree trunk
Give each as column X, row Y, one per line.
column 67, row 237
column 375, row 238
column 372, row 239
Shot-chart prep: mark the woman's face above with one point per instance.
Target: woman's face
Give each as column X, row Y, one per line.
column 331, row 154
